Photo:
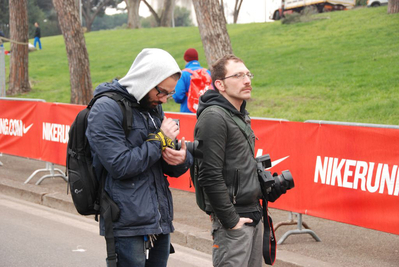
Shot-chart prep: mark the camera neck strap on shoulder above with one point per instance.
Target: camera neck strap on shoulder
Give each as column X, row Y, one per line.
column 244, row 127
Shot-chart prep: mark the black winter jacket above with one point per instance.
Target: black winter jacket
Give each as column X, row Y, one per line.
column 37, row 32
column 136, row 178
column 228, row 171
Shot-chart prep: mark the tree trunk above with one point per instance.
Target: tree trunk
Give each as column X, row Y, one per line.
column 157, row 18
column 393, row 6
column 19, row 72
column 68, row 17
column 222, row 7
column 88, row 13
column 212, row 28
column 237, row 8
column 133, row 18
column 88, row 21
column 167, row 13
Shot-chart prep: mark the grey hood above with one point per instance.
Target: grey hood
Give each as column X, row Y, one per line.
column 151, row 67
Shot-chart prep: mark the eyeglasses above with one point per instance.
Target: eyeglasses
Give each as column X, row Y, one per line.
column 162, row 93
column 240, row 75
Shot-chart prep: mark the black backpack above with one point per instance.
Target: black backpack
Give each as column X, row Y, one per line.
column 87, row 190
column 82, row 181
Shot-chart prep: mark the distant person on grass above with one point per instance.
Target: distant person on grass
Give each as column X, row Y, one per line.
column 1, row 41
column 37, row 36
column 183, row 85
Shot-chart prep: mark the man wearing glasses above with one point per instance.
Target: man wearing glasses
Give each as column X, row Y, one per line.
column 137, row 163
column 228, row 170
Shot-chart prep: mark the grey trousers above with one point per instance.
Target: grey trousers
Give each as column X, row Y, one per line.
column 242, row 247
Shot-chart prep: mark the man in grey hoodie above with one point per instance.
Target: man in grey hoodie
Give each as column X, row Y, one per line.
column 137, row 164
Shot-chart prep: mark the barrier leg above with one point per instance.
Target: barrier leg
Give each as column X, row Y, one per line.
column 1, row 163
column 298, row 231
column 290, row 221
column 50, row 168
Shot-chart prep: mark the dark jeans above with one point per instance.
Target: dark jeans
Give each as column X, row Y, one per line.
column 131, row 251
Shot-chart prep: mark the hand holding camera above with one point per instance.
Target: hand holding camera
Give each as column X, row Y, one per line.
column 170, row 128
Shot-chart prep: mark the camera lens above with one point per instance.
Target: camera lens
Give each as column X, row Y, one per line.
column 286, row 180
column 192, row 147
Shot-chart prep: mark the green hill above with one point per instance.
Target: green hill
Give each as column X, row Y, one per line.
column 341, row 66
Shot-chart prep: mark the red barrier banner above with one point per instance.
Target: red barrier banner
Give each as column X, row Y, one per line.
column 56, row 119
column 187, row 123
column 19, row 128
column 342, row 173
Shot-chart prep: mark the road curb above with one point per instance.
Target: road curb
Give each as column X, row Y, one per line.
column 192, row 237
column 184, row 235
column 26, row 192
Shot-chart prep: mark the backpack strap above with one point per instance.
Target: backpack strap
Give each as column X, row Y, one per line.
column 124, row 104
column 244, row 127
column 108, row 208
column 191, row 71
column 126, row 111
column 110, row 213
column 188, row 70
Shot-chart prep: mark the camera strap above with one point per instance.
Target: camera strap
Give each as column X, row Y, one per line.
column 269, row 239
column 244, row 127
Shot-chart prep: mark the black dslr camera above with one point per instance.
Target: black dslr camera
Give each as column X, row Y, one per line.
column 273, row 186
column 191, row 146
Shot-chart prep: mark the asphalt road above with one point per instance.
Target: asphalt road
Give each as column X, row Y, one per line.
column 34, row 235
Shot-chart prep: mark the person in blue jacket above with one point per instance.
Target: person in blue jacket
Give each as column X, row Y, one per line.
column 1, row 40
column 137, row 164
column 183, row 85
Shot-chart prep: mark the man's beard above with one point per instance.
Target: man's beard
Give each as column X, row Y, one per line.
column 147, row 103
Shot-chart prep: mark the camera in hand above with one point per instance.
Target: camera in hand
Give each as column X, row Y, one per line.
column 273, row 185
column 192, row 147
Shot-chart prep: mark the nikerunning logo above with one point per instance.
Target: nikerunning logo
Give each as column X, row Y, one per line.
column 55, row 132
column 370, row 177
column 13, row 127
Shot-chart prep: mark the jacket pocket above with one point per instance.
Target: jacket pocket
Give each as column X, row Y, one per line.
column 136, row 201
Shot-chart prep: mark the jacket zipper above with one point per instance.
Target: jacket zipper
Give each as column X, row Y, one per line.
column 236, row 185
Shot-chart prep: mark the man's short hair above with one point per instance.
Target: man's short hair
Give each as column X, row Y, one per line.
column 218, row 69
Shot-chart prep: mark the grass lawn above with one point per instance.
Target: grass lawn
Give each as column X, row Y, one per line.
column 341, row 66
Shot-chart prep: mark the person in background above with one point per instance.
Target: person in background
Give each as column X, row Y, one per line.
column 183, row 85
column 1, row 41
column 37, row 36
column 137, row 165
